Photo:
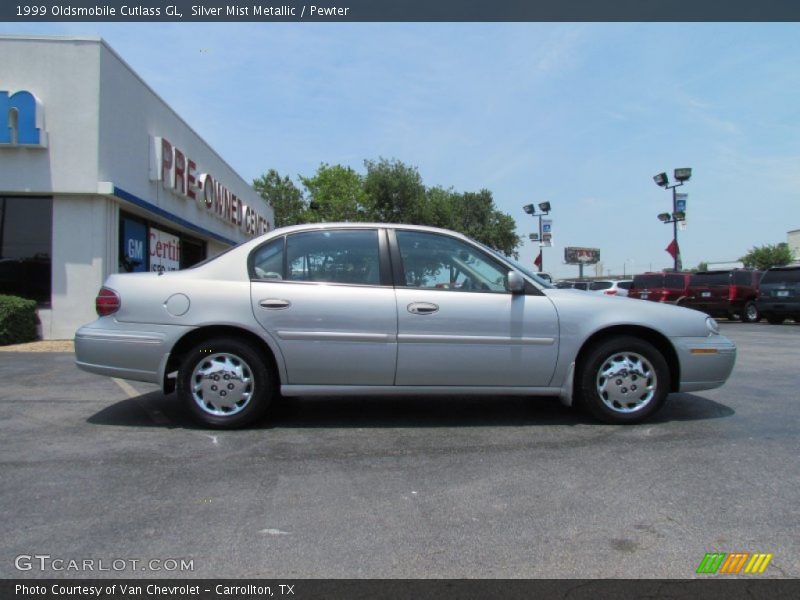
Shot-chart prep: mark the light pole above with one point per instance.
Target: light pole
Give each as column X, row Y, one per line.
column 681, row 176
column 544, row 207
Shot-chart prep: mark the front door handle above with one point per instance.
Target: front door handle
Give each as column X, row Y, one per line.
column 423, row 308
column 274, row 304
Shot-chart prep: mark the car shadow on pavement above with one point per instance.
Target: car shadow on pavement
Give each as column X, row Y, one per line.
column 157, row 410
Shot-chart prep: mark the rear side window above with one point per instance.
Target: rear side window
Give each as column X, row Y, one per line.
column 641, row 282
column 600, row 285
column 625, row 285
column 268, row 261
column 674, row 282
column 711, row 278
column 782, row 276
column 581, row 285
column 346, row 256
column 745, row 277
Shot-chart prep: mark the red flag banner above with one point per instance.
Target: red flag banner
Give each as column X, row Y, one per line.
column 672, row 249
column 537, row 262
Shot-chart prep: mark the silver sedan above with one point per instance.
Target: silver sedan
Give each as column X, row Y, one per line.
column 375, row 310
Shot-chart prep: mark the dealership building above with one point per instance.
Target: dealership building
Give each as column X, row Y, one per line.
column 98, row 175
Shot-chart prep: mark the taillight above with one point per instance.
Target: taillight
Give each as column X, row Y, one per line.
column 731, row 292
column 610, row 292
column 107, row 302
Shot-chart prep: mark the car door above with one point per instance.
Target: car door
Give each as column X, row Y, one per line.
column 458, row 325
column 326, row 298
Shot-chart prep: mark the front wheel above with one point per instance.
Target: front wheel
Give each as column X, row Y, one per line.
column 225, row 383
column 623, row 380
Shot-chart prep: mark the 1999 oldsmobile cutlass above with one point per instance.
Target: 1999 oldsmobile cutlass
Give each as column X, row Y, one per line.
column 375, row 309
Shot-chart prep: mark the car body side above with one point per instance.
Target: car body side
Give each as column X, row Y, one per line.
column 161, row 316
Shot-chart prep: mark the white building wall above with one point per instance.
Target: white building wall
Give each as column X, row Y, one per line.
column 85, row 247
column 793, row 239
column 64, row 75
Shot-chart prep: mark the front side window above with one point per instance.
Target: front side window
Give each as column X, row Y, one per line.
column 433, row 261
column 344, row 256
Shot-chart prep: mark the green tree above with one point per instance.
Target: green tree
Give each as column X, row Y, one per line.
column 283, row 196
column 396, row 192
column 701, row 266
column 474, row 214
column 335, row 193
column 769, row 255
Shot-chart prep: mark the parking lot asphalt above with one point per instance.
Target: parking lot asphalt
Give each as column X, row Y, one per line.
column 405, row 487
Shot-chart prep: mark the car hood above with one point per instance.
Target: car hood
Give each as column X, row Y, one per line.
column 597, row 311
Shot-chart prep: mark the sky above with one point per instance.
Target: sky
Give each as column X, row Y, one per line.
column 581, row 115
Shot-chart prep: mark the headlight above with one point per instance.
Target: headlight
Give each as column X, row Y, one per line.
column 712, row 326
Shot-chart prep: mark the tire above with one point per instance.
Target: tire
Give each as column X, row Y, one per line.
column 774, row 319
column 211, row 367
column 750, row 313
column 609, row 398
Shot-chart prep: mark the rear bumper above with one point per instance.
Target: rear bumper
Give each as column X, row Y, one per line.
column 126, row 350
column 706, row 362
column 778, row 307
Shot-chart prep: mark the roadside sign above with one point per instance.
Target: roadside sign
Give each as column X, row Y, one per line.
column 680, row 202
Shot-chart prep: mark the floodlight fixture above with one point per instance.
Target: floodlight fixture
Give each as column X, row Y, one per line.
column 683, row 174
column 529, row 208
column 544, row 206
column 679, row 215
column 661, row 180
column 664, row 217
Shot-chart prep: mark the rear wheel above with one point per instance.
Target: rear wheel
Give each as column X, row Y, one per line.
column 775, row 319
column 750, row 313
column 225, row 383
column 623, row 380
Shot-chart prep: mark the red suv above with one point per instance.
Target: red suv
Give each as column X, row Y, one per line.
column 729, row 293
column 660, row 287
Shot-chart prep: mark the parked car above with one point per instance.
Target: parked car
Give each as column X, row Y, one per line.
column 569, row 284
column 660, row 287
column 376, row 310
column 779, row 294
column 611, row 287
column 729, row 293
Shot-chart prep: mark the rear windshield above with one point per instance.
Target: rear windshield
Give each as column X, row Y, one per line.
column 782, row 276
column 625, row 285
column 648, row 281
column 674, row 282
column 711, row 278
column 600, row 285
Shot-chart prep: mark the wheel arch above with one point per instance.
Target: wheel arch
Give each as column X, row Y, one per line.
column 198, row 335
column 656, row 338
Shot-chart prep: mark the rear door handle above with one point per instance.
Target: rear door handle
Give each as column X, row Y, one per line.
column 422, row 308
column 274, row 304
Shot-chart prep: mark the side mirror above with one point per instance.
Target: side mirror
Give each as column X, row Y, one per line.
column 516, row 284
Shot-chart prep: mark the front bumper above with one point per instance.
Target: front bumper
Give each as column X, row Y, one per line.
column 126, row 350
column 706, row 362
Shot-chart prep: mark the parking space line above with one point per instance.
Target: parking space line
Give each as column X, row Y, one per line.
column 155, row 415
